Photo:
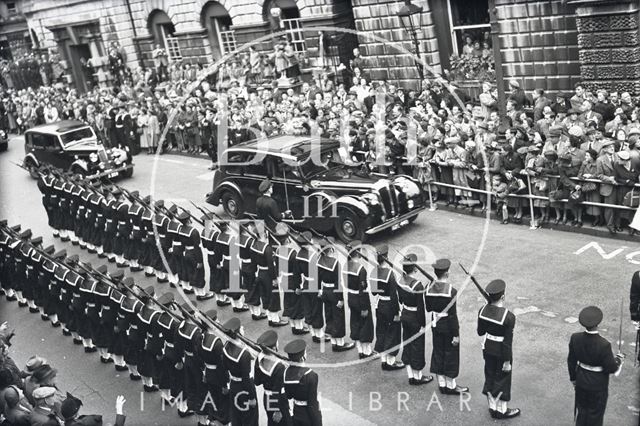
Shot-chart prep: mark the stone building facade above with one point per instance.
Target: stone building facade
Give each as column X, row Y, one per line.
column 551, row 44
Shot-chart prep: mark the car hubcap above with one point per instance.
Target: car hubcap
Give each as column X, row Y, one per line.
column 348, row 228
column 232, row 206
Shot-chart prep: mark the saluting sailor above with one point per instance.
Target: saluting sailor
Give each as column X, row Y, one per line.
column 495, row 325
column 590, row 363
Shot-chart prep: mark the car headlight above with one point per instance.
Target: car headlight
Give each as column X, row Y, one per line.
column 2, row 134
column 93, row 157
column 407, row 186
column 101, row 166
column 410, row 204
column 370, row 198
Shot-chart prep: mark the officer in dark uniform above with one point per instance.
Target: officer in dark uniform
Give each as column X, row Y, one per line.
column 238, row 362
column 388, row 327
column 269, row 373
column 440, row 302
column 590, row 363
column 413, row 317
column 211, row 351
column 495, row 325
column 361, row 318
column 301, row 386
column 267, row 208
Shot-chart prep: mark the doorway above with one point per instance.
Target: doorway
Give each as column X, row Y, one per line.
column 80, row 53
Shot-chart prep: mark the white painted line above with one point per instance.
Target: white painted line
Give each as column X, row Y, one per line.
column 168, row 160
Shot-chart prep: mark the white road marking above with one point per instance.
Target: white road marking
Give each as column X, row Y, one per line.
column 168, row 160
column 571, row 320
column 528, row 309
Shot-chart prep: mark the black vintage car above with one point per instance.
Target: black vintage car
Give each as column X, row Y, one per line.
column 73, row 146
column 315, row 182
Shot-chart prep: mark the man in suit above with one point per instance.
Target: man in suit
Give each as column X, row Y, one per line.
column 71, row 406
column 590, row 363
column 43, row 414
column 594, row 141
column 589, row 115
column 606, row 173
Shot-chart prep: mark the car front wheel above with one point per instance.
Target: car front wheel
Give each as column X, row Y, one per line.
column 232, row 204
column 349, row 227
column 33, row 169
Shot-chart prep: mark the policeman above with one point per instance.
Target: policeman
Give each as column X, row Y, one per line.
column 440, row 302
column 590, row 363
column 301, row 386
column 413, row 317
column 361, row 317
column 388, row 327
column 289, row 279
column 269, row 373
column 495, row 325
column 267, row 208
column 238, row 362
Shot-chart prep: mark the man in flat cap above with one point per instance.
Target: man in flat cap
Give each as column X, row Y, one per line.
column 590, row 363
column 440, row 302
column 43, row 413
column 237, row 362
column 495, row 325
column 267, row 208
column 269, row 373
column 301, row 386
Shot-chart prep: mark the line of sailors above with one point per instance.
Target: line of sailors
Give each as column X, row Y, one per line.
column 197, row 368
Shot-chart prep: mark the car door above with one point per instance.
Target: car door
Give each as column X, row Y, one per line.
column 287, row 187
column 247, row 175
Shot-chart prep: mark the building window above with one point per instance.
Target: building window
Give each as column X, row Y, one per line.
column 227, row 41
column 11, row 8
column 171, row 43
column 295, row 34
column 469, row 23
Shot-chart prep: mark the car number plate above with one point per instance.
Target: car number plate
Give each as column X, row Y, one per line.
column 114, row 174
column 400, row 225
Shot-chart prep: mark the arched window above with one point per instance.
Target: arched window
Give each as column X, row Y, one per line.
column 285, row 15
column 215, row 18
column 162, row 29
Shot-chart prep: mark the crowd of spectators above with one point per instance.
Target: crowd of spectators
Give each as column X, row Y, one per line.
column 543, row 149
column 30, row 396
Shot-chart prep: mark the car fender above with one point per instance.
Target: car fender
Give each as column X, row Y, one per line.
column 232, row 186
column 353, row 204
column 79, row 163
column 31, row 157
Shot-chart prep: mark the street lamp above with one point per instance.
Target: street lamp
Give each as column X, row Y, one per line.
column 411, row 18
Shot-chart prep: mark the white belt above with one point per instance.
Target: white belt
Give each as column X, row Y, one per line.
column 595, row 369
column 225, row 257
column 91, row 305
column 137, row 228
column 300, row 403
column 270, row 392
column 304, row 277
column 109, row 220
column 176, row 243
column 437, row 315
column 245, row 260
column 190, row 247
column 234, row 378
column 385, row 298
column 410, row 308
column 288, row 274
column 262, row 268
column 210, row 366
column 188, row 353
column 330, row 285
column 170, row 345
column 493, row 338
column 122, row 222
column 351, row 291
column 209, row 252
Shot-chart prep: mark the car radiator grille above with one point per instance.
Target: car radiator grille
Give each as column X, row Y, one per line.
column 389, row 200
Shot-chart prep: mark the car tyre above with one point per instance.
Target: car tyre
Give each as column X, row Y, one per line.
column 4, row 147
column 349, row 227
column 33, row 169
column 232, row 204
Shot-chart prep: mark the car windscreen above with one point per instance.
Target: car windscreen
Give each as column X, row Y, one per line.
column 76, row 135
column 329, row 159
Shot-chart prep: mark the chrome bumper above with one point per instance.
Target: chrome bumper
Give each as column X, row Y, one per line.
column 395, row 221
column 110, row 172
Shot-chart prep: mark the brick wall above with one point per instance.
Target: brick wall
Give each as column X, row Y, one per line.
column 539, row 43
column 384, row 60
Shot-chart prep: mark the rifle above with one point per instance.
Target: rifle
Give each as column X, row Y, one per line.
column 195, row 219
column 477, row 284
column 208, row 212
column 419, row 268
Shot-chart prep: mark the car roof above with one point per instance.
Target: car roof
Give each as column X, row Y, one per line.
column 58, row 127
column 286, row 146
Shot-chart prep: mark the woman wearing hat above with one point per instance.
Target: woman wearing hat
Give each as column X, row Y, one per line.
column 626, row 177
column 590, row 189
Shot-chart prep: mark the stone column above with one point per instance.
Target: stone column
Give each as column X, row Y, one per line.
column 609, row 42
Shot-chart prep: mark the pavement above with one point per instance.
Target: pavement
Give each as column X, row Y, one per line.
column 551, row 275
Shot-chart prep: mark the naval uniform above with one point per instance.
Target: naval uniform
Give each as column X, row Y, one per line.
column 264, row 289
column 148, row 361
column 590, row 362
column 307, row 258
column 359, row 302
column 215, row 377
column 192, row 270
column 495, row 325
column 388, row 331
column 248, row 270
column 445, row 357
column 269, row 373
column 267, row 210
column 289, row 279
column 301, row 386
column 170, row 378
column 413, row 318
column 331, row 290
column 238, row 363
column 188, row 339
